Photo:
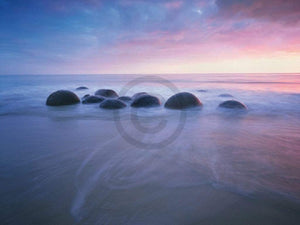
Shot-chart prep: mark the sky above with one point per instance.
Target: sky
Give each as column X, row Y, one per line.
column 148, row 37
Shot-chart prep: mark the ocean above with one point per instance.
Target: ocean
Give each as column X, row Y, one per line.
column 80, row 164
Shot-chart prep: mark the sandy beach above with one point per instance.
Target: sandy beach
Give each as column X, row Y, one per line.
column 73, row 165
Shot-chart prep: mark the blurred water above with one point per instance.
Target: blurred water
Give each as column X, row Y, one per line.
column 72, row 165
column 263, row 93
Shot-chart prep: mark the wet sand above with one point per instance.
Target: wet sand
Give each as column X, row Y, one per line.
column 65, row 170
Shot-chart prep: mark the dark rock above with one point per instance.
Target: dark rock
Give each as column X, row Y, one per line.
column 125, row 98
column 232, row 104
column 136, row 95
column 107, row 93
column 81, row 88
column 112, row 104
column 202, row 91
column 226, row 95
column 145, row 100
column 85, row 96
column 182, row 100
column 62, row 97
column 92, row 99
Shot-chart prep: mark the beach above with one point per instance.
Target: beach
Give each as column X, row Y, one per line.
column 80, row 164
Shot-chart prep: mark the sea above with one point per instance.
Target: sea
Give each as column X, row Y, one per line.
column 80, row 164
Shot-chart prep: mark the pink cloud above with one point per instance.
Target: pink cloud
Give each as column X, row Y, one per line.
column 215, row 44
column 173, row 4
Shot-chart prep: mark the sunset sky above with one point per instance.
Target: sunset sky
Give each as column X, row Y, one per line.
column 154, row 36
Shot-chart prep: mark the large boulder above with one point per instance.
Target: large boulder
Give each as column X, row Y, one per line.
column 62, row 97
column 145, row 100
column 81, row 88
column 136, row 95
column 92, row 99
column 125, row 98
column 183, row 100
column 112, row 104
column 232, row 104
column 107, row 93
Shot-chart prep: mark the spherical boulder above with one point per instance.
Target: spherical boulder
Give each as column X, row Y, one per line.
column 136, row 95
column 62, row 97
column 112, row 104
column 92, row 99
column 107, row 93
column 145, row 100
column 125, row 98
column 232, row 104
column 81, row 88
column 85, row 96
column 183, row 100
column 226, row 96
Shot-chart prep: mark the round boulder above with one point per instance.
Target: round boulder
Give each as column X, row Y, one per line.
column 62, row 97
column 183, row 100
column 145, row 100
column 125, row 98
column 81, row 88
column 232, row 104
column 226, row 96
column 112, row 104
column 85, row 96
column 92, row 99
column 136, row 95
column 107, row 93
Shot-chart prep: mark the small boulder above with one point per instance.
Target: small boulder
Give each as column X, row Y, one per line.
column 183, row 100
column 108, row 93
column 92, row 99
column 112, row 104
column 81, row 88
column 232, row 104
column 202, row 91
column 145, row 100
column 62, row 97
column 125, row 98
column 85, row 96
column 226, row 96
column 136, row 95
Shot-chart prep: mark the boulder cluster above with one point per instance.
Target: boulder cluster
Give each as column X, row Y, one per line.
column 109, row 99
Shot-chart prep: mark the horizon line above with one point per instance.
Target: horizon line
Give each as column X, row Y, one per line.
column 199, row 73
